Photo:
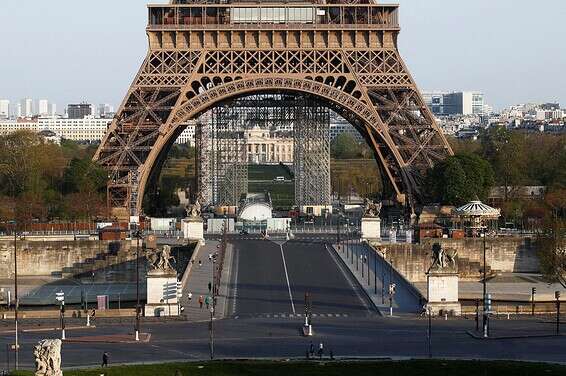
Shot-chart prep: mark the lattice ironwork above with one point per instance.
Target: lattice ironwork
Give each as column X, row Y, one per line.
column 345, row 56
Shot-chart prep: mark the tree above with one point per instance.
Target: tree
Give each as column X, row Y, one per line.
column 552, row 251
column 345, row 146
column 459, row 179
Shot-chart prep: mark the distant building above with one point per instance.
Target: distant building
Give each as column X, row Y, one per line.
column 105, row 110
column 43, row 107
column 26, row 109
column 188, row 135
column 13, row 125
column 339, row 125
column 4, row 109
column 464, row 103
column 89, row 128
column 265, row 146
column 79, row 111
column 435, row 101
column 456, row 103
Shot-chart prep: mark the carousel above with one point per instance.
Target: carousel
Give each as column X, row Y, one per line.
column 476, row 218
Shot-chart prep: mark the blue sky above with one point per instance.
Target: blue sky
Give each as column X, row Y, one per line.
column 74, row 50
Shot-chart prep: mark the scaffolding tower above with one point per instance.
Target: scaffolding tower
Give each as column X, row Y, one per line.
column 312, row 155
column 223, row 154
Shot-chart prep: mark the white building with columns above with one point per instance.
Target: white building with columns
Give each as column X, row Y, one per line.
column 265, row 146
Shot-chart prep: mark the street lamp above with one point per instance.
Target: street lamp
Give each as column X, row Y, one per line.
column 485, row 322
column 557, row 296
column 60, row 297
column 17, row 303
column 137, row 234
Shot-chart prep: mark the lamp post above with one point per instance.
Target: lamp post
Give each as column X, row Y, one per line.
column 60, row 296
column 17, row 303
column 138, row 234
column 485, row 323
column 557, row 296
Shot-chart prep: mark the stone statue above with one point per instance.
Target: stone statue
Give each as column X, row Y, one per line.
column 371, row 209
column 48, row 358
column 442, row 260
column 159, row 259
column 194, row 210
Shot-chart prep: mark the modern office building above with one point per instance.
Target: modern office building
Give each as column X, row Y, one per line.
column 464, row 103
column 79, row 111
column 455, row 103
column 105, row 110
column 339, row 125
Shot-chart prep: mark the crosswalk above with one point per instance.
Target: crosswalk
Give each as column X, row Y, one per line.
column 291, row 316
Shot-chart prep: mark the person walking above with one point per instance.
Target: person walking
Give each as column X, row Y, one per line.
column 320, row 350
column 199, row 263
column 200, row 301
column 190, row 296
column 209, row 286
column 207, row 301
column 105, row 357
column 311, row 349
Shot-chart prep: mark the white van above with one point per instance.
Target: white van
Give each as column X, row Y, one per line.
column 279, row 179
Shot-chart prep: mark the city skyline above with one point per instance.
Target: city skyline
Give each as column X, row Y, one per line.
column 94, row 63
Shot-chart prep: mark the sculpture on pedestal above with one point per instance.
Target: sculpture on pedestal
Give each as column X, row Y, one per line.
column 194, row 210
column 371, row 209
column 48, row 358
column 443, row 260
column 159, row 259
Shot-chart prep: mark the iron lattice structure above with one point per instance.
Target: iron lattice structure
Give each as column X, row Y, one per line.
column 201, row 55
column 312, row 155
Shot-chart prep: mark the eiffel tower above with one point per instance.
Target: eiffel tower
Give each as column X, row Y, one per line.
column 205, row 53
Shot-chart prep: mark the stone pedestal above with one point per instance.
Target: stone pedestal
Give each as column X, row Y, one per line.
column 442, row 290
column 162, row 294
column 371, row 229
column 193, row 229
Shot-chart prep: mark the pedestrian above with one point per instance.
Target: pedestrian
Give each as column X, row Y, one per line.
column 320, row 350
column 200, row 301
column 105, row 357
column 93, row 315
column 209, row 286
column 190, row 296
column 199, row 263
column 207, row 301
column 311, row 349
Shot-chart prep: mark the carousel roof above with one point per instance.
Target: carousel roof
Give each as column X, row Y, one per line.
column 478, row 209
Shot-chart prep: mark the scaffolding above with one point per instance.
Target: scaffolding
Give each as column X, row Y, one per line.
column 312, row 155
column 223, row 150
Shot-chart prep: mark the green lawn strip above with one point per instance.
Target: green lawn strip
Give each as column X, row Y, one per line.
column 402, row 368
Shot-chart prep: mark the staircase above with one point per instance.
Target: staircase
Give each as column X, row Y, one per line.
column 113, row 258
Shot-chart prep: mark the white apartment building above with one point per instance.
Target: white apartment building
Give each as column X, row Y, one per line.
column 8, row 126
column 265, row 146
column 89, row 128
column 4, row 109
column 188, row 135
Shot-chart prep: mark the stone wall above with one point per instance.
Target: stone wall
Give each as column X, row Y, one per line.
column 44, row 258
column 512, row 254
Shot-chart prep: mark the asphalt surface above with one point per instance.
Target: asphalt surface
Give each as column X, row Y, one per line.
column 272, row 278
column 262, row 323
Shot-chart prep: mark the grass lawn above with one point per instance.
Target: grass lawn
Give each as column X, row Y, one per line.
column 385, row 368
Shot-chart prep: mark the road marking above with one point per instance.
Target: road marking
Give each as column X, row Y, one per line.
column 287, row 276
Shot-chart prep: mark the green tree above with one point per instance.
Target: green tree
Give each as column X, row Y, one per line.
column 459, row 179
column 345, row 146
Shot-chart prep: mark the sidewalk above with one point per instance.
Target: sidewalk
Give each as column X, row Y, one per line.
column 376, row 287
column 197, row 283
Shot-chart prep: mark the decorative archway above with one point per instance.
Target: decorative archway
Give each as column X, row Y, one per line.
column 191, row 69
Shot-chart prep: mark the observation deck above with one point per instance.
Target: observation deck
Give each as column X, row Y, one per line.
column 272, row 15
column 270, row 25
